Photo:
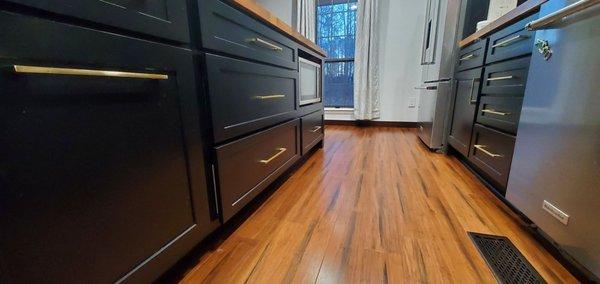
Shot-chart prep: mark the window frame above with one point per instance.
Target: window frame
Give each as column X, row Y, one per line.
column 330, row 60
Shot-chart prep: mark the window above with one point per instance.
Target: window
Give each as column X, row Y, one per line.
column 336, row 33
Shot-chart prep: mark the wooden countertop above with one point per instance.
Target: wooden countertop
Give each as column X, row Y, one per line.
column 514, row 15
column 262, row 14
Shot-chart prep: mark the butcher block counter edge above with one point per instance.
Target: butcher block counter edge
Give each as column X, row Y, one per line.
column 514, row 15
column 262, row 14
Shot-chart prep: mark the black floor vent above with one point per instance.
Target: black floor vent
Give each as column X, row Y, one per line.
column 507, row 263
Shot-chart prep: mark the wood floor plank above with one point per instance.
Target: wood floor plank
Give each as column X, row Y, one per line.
column 373, row 206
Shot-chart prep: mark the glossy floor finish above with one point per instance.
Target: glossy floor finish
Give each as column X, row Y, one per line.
column 373, row 206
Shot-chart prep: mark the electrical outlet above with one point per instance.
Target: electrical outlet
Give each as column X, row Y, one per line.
column 556, row 213
column 412, row 102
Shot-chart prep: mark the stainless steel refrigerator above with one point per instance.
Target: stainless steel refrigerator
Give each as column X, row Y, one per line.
column 437, row 60
column 555, row 173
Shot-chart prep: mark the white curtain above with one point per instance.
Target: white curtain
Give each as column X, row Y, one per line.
column 366, row 64
column 306, row 18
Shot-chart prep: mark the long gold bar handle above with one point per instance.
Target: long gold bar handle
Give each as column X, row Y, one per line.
column 86, row 72
column 482, row 149
column 495, row 112
column 502, row 78
column 315, row 129
column 468, row 57
column 280, row 151
column 263, row 43
column 269, row 97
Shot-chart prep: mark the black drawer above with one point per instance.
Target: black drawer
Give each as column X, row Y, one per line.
column 226, row 29
column 511, row 41
column 506, row 78
column 161, row 18
column 491, row 152
column 246, row 96
column 500, row 112
column 102, row 174
column 471, row 56
column 249, row 165
column 312, row 130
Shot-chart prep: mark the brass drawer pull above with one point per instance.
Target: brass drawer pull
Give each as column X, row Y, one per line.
column 269, row 97
column 510, row 41
column 468, row 57
column 315, row 129
column 495, row 112
column 482, row 149
column 263, row 43
column 280, row 151
column 86, row 72
column 502, row 78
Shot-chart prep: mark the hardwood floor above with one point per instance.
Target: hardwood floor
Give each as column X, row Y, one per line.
column 373, row 206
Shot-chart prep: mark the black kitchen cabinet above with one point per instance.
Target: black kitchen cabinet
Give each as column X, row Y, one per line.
column 102, row 173
column 468, row 84
column 495, row 92
column 252, row 85
column 160, row 18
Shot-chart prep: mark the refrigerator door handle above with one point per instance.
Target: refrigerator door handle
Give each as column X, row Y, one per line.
column 551, row 18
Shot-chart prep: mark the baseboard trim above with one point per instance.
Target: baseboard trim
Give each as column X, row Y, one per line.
column 366, row 123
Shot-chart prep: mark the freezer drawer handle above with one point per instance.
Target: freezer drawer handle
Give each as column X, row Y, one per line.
column 269, row 97
column 280, row 151
column 429, row 88
column 502, row 78
column 468, row 57
column 86, row 72
column 263, row 43
column 482, row 149
column 510, row 41
column 495, row 112
column 549, row 19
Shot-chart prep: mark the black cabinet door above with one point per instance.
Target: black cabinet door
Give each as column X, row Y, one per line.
column 467, row 91
column 161, row 18
column 101, row 175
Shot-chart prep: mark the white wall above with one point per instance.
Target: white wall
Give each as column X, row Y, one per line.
column 401, row 39
column 283, row 9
